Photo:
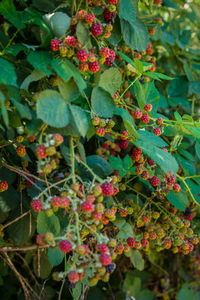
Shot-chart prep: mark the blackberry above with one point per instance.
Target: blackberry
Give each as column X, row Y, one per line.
column 110, row 268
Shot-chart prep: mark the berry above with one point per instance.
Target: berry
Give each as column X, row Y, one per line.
column 21, row 151
column 125, row 135
column 159, row 121
column 51, row 151
column 64, row 202
column 90, row 18
column 144, row 242
column 107, row 189
column 138, row 55
column 55, row 44
column 58, row 139
column 110, row 268
column 150, row 162
column 158, row 2
column 148, row 107
column 55, row 201
column 145, row 175
column 36, row 205
column 91, row 57
column 73, row 276
column 176, row 188
column 157, row 131
column 154, row 181
column 3, row 186
column 71, row 41
column 87, row 206
column 103, row 248
column 131, row 242
column 96, row 29
column 65, row 246
column 69, row 284
column 114, row 2
column 31, row 139
column 105, row 259
column 137, row 114
column 94, row 67
column 104, row 52
column 100, row 131
column 83, row 66
column 81, row 14
column 82, row 55
column 123, row 144
column 152, row 31
column 145, row 118
column 41, row 152
column 138, row 170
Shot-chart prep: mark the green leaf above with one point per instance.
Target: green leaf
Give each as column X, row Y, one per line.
column 177, row 116
column 7, row 73
column 34, row 76
column 111, row 80
column 186, row 154
column 138, row 64
column 197, row 148
column 177, row 87
column 158, row 76
column 8, row 10
column 7, row 201
column 80, row 119
column 3, row 109
column 125, row 231
column 15, row 49
column 146, row 295
column 179, row 200
column 82, row 33
column 52, row 109
column 115, row 163
column 40, row 60
column 145, row 93
column 128, row 162
column 128, row 121
column 128, row 10
column 132, row 285
column 136, row 259
column 55, row 256
column 102, row 103
column 135, row 34
column 185, row 293
column 150, row 138
column 99, row 165
column 45, row 266
column 68, row 89
column 47, row 224
column 58, row 22
column 76, row 292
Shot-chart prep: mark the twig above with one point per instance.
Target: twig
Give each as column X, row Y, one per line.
column 17, row 219
column 188, row 189
column 23, row 249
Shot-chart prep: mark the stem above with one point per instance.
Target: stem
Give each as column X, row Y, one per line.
column 77, row 228
column 89, row 169
column 188, row 189
column 63, row 282
column 130, row 86
column 72, row 159
column 53, row 185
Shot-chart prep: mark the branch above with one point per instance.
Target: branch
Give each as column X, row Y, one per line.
column 27, row 248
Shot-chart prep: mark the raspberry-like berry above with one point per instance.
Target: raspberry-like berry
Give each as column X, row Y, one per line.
column 90, row 18
column 73, row 276
column 138, row 55
column 154, row 181
column 107, row 189
column 58, row 139
column 83, row 66
column 71, row 41
column 157, row 131
column 97, row 216
column 100, row 131
column 55, row 201
column 41, row 152
column 104, row 52
column 137, row 114
column 123, row 144
column 123, row 213
column 167, row 244
column 158, row 2
column 103, row 248
column 50, row 150
column 55, row 44
column 105, row 259
column 176, row 188
column 148, row 107
column 94, row 67
column 159, row 21
column 145, row 118
column 152, row 236
column 3, row 186
column 64, row 202
column 125, row 135
column 31, row 139
column 150, row 162
column 36, row 205
column 145, row 175
column 65, row 246
column 152, row 31
column 96, row 29
column 81, row 14
column 159, row 121
column 144, row 242
column 81, row 250
column 131, row 242
column 146, row 219
column 112, row 2
column 138, row 170
column 21, row 151
column 87, row 206
column 82, row 55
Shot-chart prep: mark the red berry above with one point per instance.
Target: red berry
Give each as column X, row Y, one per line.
column 145, row 175
column 90, row 18
column 94, row 67
column 55, row 201
column 3, row 186
column 113, row 2
column 96, row 29
column 41, row 153
column 159, row 121
column 58, row 139
column 36, row 205
column 138, row 170
column 112, row 54
column 107, row 189
column 155, row 181
column 144, row 242
column 145, row 118
column 138, row 55
column 131, row 242
column 107, row 15
column 21, row 151
column 137, row 114
column 71, row 41
column 65, row 246
column 176, row 188
column 87, row 206
column 105, row 259
column 103, row 248
column 100, row 131
column 81, row 14
column 82, row 55
column 150, row 162
column 73, row 276
column 64, row 202
column 109, row 61
column 55, row 44
column 32, row 139
column 157, row 131
column 123, row 144
column 104, row 52
column 97, row 216
column 158, row 2
column 125, row 135
column 152, row 31
column 83, row 66
column 148, row 107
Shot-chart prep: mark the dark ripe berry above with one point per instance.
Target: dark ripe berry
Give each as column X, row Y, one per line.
column 21, row 151
column 112, row 54
column 90, row 18
column 73, row 276
column 107, row 15
column 159, row 121
column 96, row 29
column 103, row 248
column 3, row 186
column 104, row 52
column 176, row 188
column 148, row 107
column 58, row 139
column 36, row 205
column 65, row 246
column 71, row 41
column 137, row 114
column 94, row 67
column 82, row 55
column 109, row 61
column 100, row 131
column 145, row 175
column 73, row 29
column 155, row 181
column 55, row 201
column 145, row 118
column 123, row 144
column 157, row 131
column 131, row 242
column 138, row 55
column 107, row 189
column 110, row 268
column 55, row 44
column 83, row 66
column 87, row 206
column 105, row 259
column 152, row 31
column 144, row 242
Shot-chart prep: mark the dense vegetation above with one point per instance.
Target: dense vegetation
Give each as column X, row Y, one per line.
column 100, row 149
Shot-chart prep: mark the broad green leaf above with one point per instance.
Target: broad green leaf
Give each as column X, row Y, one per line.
column 186, row 154
column 177, row 87
column 138, row 64
column 7, row 72
column 132, row 285
column 55, row 256
column 68, row 89
column 179, row 200
column 34, row 76
column 157, row 76
column 150, row 138
column 8, row 10
column 77, row 291
column 146, row 295
column 128, row 9
column 185, row 293
column 99, row 165
column 115, row 163
column 193, row 130
column 194, row 188
column 145, row 93
column 127, row 162
column 119, row 222
column 187, row 165
column 47, row 224
column 111, row 80
column 3, row 109
column 177, row 116
column 102, row 103
column 128, row 121
column 7, row 201
column 80, row 119
column 197, row 149
column 58, row 22
column 52, row 109
column 136, row 259
column 15, row 49
column 40, row 60
column 82, row 33
column 125, row 231
column 15, row 98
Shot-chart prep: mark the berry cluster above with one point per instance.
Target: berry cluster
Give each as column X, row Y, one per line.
column 102, row 126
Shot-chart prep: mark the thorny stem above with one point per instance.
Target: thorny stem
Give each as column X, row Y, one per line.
column 188, row 189
column 63, row 282
column 72, row 159
column 130, row 86
column 77, row 228
column 54, row 185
